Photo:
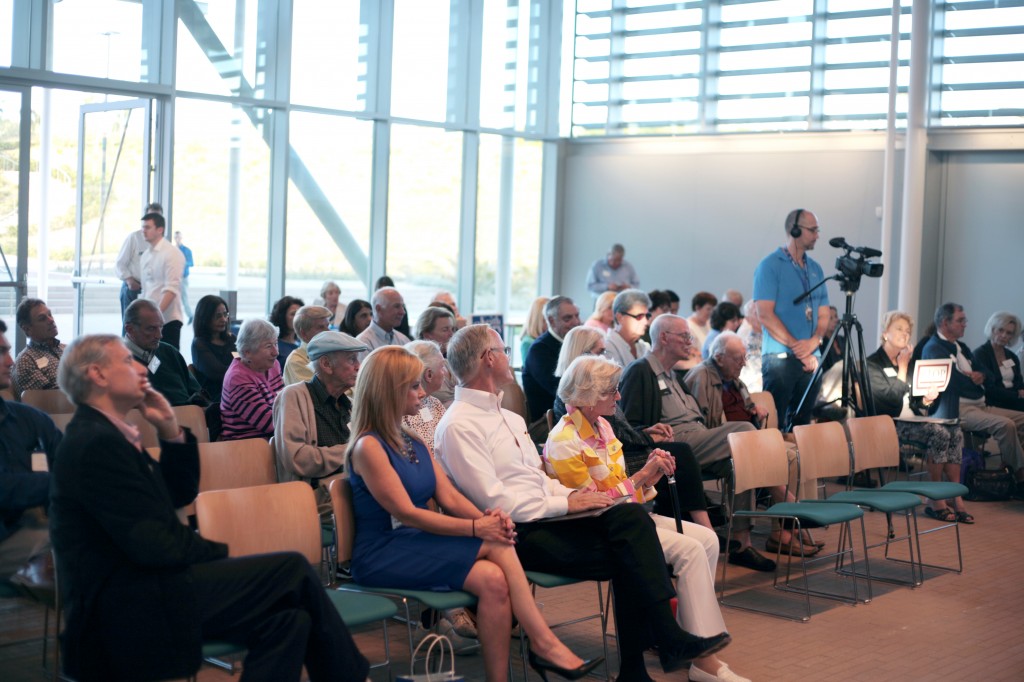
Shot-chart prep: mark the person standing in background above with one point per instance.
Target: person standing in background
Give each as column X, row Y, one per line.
column 187, row 253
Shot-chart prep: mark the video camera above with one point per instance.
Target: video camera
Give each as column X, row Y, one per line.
column 851, row 268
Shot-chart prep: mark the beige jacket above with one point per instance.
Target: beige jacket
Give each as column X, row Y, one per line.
column 705, row 385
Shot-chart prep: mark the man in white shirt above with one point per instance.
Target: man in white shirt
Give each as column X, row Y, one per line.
column 162, row 270
column 490, row 457
column 388, row 311
column 129, row 262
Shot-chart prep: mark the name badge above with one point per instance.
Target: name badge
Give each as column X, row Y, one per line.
column 663, row 387
column 425, row 413
column 606, row 273
column 890, row 372
column 154, row 365
column 39, row 463
column 42, row 362
column 1006, row 363
column 235, row 354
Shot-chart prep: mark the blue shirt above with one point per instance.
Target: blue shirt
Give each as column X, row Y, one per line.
column 601, row 275
column 187, row 253
column 777, row 278
column 23, row 430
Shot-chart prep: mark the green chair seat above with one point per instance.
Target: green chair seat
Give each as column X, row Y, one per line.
column 549, row 580
column 9, row 589
column 216, row 649
column 887, row 502
column 933, row 490
column 809, row 514
column 441, row 601
column 357, row 608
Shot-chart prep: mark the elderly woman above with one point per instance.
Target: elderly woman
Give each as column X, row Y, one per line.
column 282, row 316
column 330, row 293
column 624, row 341
column 602, row 317
column 358, row 316
column 251, row 383
column 400, row 542
column 438, row 325
column 536, row 324
column 1004, row 386
column 726, row 317
column 582, row 452
column 702, row 304
column 888, row 368
column 213, row 346
column 637, row 445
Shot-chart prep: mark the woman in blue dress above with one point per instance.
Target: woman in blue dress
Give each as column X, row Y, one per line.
column 400, row 542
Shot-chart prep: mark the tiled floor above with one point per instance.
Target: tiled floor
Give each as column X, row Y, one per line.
column 954, row 627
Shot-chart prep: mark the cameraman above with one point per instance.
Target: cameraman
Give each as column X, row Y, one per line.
column 792, row 332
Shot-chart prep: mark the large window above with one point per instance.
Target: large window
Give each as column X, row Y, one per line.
column 329, row 54
column 104, row 38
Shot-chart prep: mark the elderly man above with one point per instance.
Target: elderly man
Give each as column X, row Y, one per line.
column 734, row 296
column 36, row 366
column 965, row 397
column 162, row 268
column 142, row 591
column 793, row 331
column 488, row 454
column 539, row 380
column 311, row 417
column 624, row 341
column 309, row 321
column 24, row 536
column 716, row 386
column 652, row 394
column 449, row 300
column 388, row 311
column 612, row 273
column 168, row 372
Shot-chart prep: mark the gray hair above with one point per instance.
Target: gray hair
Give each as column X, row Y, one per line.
column 327, row 286
column 577, row 342
column 618, row 248
column 720, row 343
column 135, row 308
column 306, row 316
column 428, row 319
column 999, row 319
column 659, row 324
column 945, row 313
column 253, row 334
column 429, row 353
column 587, row 379
column 629, row 298
column 465, row 349
column 551, row 307
column 72, row 373
column 382, row 295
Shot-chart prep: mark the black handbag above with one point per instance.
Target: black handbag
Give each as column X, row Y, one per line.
column 990, row 485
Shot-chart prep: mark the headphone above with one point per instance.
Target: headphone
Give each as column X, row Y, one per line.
column 796, row 231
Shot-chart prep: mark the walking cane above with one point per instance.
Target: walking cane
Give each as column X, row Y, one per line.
column 674, row 494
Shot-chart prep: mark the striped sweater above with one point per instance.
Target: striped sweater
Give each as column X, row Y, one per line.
column 247, row 401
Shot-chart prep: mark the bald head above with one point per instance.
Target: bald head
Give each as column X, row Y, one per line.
column 388, row 308
column 670, row 338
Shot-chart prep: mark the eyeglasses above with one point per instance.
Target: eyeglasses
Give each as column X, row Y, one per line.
column 638, row 316
column 507, row 350
column 815, row 230
column 685, row 336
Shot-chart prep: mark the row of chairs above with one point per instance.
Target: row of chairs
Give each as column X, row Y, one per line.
column 826, row 450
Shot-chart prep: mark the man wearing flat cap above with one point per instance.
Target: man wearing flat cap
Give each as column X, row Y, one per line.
column 311, row 418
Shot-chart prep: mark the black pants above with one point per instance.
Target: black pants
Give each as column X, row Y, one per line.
column 620, row 545
column 689, row 484
column 274, row 605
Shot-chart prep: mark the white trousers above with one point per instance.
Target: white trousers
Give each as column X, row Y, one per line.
column 694, row 560
column 1006, row 426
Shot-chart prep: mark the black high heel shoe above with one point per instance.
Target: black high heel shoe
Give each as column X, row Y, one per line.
column 542, row 666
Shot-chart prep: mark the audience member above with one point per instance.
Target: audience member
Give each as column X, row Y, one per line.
column 282, row 316
column 583, row 453
column 388, row 311
column 652, row 394
column 701, row 305
column 251, row 383
column 835, row 354
column 393, row 477
column 661, row 303
column 141, row 591
column 539, row 381
column 437, row 325
column 733, row 296
column 24, row 533
column 1004, row 386
column 167, row 371
column 632, row 315
column 750, row 332
column 482, row 449
column 602, row 317
column 726, row 317
column 36, row 366
column 162, row 267
column 358, row 315
column 129, row 262
column 888, row 371
column 965, row 396
column 213, row 345
column 186, row 253
column 448, row 299
column 536, row 324
column 311, row 418
column 612, row 273
column 309, row 321
column 432, row 378
column 330, row 292
column 793, row 331
column 403, row 325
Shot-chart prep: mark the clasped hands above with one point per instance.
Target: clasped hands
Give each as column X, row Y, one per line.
column 496, row 526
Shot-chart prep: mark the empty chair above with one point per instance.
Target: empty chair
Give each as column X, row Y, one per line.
column 51, row 401
column 194, row 417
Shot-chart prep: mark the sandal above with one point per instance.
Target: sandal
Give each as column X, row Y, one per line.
column 964, row 517
column 945, row 514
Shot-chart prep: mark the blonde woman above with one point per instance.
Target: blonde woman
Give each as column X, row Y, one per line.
column 536, row 324
column 399, row 542
column 602, row 317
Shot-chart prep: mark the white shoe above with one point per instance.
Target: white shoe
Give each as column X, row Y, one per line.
column 463, row 646
column 462, row 622
column 724, row 675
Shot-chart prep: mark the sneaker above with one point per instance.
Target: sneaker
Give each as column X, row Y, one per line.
column 462, row 622
column 344, row 571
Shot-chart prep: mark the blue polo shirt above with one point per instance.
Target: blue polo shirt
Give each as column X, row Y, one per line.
column 777, row 278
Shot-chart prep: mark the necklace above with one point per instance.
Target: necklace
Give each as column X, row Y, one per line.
column 409, row 450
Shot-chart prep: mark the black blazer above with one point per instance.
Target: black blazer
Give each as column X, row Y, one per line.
column 123, row 555
column 996, row 393
column 960, row 385
column 539, row 381
column 886, row 391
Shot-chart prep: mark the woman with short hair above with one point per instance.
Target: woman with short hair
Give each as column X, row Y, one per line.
column 437, row 325
column 602, row 317
column 251, row 384
column 330, row 293
column 1004, row 385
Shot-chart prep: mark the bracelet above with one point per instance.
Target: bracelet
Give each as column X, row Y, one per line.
column 473, row 526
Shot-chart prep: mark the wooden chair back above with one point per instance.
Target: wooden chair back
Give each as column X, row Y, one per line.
column 875, row 442
column 824, row 450
column 759, row 459
column 236, row 464
column 61, row 420
column 261, row 519
column 146, row 430
column 764, row 399
column 51, row 401
column 344, row 519
column 194, row 417
column 514, row 400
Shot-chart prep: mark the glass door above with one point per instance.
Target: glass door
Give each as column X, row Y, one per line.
column 15, row 138
column 114, row 176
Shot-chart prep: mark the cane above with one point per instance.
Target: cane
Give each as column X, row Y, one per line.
column 674, row 494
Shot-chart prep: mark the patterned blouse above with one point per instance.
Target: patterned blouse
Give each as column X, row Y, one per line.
column 424, row 422
column 589, row 459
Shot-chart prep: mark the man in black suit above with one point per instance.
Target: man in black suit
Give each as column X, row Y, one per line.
column 539, row 380
column 141, row 591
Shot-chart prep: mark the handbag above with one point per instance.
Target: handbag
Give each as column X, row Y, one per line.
column 990, row 485
column 440, row 642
